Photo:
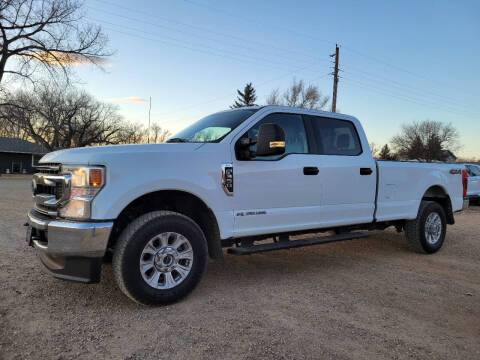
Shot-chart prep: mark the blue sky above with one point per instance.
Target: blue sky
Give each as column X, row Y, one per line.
column 402, row 61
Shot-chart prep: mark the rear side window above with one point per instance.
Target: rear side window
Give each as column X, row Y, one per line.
column 295, row 134
column 335, row 137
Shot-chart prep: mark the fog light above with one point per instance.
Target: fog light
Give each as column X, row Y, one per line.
column 76, row 209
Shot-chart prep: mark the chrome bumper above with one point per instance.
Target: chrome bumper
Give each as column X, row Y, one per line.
column 69, row 238
column 466, row 203
column 69, row 250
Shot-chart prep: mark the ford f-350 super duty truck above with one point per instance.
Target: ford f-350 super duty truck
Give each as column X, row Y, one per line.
column 232, row 179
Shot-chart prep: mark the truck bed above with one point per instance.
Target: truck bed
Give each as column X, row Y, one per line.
column 402, row 184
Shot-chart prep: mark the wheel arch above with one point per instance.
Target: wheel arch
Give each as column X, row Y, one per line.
column 179, row 201
column 438, row 194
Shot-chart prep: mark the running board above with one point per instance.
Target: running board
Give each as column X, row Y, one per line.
column 295, row 243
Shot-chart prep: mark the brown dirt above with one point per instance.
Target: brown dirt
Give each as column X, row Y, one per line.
column 361, row 299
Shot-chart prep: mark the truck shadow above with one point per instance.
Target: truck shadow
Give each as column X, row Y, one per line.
column 234, row 274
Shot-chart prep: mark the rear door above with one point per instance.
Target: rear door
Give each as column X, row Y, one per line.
column 347, row 177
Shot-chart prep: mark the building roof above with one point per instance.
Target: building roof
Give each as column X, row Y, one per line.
column 15, row 145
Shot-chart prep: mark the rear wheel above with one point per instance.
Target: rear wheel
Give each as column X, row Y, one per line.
column 160, row 258
column 427, row 232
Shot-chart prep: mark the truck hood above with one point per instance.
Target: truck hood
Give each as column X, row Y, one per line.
column 97, row 155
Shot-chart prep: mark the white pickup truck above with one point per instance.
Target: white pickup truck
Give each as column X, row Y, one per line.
column 232, row 179
column 473, row 181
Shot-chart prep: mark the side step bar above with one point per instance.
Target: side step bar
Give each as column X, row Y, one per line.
column 295, row 243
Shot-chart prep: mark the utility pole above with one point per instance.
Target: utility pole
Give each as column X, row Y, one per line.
column 335, row 79
column 149, row 110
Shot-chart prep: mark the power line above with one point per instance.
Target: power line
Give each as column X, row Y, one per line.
column 234, row 55
column 413, row 74
column 399, row 84
column 193, row 47
column 409, row 88
column 237, row 16
column 403, row 97
column 233, row 93
column 432, row 103
column 418, row 93
column 211, row 50
column 348, row 48
column 249, row 41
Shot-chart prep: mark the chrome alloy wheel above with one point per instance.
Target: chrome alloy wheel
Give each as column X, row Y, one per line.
column 166, row 260
column 433, row 228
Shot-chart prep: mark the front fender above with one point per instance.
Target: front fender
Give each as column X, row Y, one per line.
column 111, row 201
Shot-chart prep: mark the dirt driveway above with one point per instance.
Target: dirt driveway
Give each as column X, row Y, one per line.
column 361, row 299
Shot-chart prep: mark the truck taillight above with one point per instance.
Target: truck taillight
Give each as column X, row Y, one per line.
column 464, row 182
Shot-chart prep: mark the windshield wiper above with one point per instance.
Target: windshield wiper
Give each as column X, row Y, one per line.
column 177, row 140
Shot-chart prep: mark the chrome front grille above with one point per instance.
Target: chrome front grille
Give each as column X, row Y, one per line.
column 49, row 168
column 51, row 189
column 45, row 189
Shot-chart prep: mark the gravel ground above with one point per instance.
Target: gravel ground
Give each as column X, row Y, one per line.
column 360, row 299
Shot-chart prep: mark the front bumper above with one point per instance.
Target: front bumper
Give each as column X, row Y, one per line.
column 69, row 250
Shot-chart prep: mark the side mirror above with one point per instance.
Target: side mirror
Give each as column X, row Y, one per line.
column 271, row 140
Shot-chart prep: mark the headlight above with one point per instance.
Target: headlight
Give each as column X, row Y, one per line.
column 85, row 183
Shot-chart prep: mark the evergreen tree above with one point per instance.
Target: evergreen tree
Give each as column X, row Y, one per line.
column 245, row 98
column 386, row 154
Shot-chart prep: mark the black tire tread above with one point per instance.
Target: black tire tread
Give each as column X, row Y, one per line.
column 413, row 227
column 128, row 232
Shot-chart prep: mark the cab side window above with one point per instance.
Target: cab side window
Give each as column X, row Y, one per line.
column 335, row 137
column 295, row 134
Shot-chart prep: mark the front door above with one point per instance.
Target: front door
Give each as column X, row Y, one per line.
column 277, row 193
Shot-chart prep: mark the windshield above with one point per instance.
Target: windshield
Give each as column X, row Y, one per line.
column 213, row 128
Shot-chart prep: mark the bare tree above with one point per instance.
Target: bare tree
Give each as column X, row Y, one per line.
column 158, row 134
column 11, row 130
column 61, row 117
column 299, row 95
column 46, row 34
column 131, row 133
column 426, row 141
column 274, row 98
column 134, row 133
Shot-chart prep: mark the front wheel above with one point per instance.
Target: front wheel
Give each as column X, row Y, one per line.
column 427, row 232
column 160, row 258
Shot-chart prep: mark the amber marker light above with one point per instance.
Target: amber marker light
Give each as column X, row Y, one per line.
column 95, row 177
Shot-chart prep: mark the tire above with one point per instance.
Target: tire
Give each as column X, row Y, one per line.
column 142, row 244
column 427, row 239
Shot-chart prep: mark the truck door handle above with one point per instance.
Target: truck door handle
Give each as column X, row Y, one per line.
column 310, row 170
column 365, row 171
